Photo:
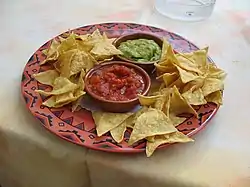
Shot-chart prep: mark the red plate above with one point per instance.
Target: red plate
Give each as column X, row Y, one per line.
column 79, row 127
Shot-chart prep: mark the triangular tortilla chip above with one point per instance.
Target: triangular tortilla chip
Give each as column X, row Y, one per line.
column 105, row 121
column 179, row 105
column 163, row 139
column 175, row 119
column 52, row 52
column 47, row 77
column 215, row 72
column 148, row 100
column 169, row 78
column 61, row 85
column 212, row 85
column 187, row 64
column 152, row 122
column 194, row 84
column 130, row 121
column 194, row 97
column 215, row 97
column 81, row 60
column 65, row 60
column 68, row 44
column 186, row 76
column 117, row 133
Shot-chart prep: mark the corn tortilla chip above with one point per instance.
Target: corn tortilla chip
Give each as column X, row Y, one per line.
column 194, row 97
column 169, row 78
column 117, row 133
column 61, row 85
column 105, row 121
column 215, row 72
column 148, row 100
column 186, row 76
column 175, row 119
column 68, row 44
column 47, row 77
column 51, row 102
column 130, row 121
column 194, row 84
column 152, row 122
column 187, row 64
column 179, row 105
column 163, row 139
column 215, row 97
column 81, row 60
column 65, row 62
column 212, row 85
column 52, row 52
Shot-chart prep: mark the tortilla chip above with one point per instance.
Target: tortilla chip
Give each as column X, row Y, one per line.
column 63, row 99
column 178, row 84
column 105, row 121
column 68, row 44
column 215, row 72
column 194, row 84
column 163, row 139
column 187, row 76
column 103, row 50
column 194, row 97
column 167, row 56
column 47, row 77
column 215, row 97
column 117, row 133
column 187, row 64
column 69, row 97
column 178, row 105
column 65, row 62
column 51, row 102
column 212, row 85
column 61, row 85
column 79, row 92
column 130, row 121
column 148, row 100
column 199, row 57
column 162, row 98
column 81, row 60
column 169, row 78
column 175, row 119
column 152, row 122
column 150, row 138
column 160, row 102
column 161, row 69
column 52, row 52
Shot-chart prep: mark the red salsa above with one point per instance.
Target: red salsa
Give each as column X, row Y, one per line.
column 116, row 83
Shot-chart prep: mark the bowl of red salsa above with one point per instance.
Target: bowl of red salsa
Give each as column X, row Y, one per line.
column 115, row 85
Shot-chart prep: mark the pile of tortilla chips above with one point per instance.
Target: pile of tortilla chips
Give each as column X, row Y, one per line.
column 188, row 79
column 71, row 58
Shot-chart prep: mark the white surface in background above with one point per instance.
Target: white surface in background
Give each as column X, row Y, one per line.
column 30, row 156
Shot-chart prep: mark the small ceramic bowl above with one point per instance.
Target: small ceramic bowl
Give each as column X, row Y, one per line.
column 148, row 66
column 117, row 106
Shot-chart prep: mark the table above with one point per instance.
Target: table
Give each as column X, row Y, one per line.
column 33, row 157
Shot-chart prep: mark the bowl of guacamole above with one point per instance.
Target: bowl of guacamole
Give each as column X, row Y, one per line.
column 142, row 49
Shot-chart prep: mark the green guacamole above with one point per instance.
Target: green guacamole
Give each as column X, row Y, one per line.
column 140, row 50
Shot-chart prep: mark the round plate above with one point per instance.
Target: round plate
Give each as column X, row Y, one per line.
column 79, row 127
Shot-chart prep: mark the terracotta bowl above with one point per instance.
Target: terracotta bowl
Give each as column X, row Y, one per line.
column 117, row 106
column 148, row 66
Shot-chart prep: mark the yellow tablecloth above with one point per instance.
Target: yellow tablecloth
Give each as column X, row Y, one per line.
column 33, row 157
